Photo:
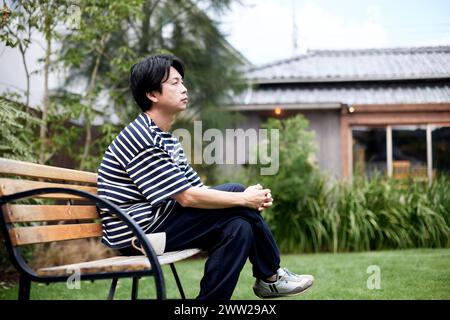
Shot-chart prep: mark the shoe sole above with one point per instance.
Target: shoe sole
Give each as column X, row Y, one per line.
column 281, row 295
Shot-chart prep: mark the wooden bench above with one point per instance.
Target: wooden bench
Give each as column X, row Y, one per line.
column 69, row 213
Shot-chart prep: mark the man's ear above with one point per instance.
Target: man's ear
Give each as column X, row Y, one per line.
column 152, row 96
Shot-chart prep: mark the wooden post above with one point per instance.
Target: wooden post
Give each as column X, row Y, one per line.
column 429, row 154
column 346, row 145
column 389, row 150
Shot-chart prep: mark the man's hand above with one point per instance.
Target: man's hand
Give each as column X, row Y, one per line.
column 257, row 197
column 256, row 186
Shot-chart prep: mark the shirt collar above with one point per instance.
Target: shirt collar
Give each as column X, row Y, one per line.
column 152, row 125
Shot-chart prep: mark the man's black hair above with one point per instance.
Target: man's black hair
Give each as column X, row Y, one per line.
column 148, row 75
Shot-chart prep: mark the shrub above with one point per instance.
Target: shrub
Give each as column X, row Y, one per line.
column 312, row 212
column 17, row 132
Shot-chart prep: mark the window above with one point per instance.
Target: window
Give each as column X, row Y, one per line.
column 402, row 151
column 369, row 150
column 441, row 149
column 409, row 152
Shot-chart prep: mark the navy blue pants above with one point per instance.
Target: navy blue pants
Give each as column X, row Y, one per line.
column 230, row 236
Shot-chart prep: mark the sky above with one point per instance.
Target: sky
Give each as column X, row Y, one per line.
column 262, row 30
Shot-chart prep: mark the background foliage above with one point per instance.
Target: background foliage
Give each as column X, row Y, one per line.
column 17, row 131
column 101, row 53
column 95, row 55
column 313, row 212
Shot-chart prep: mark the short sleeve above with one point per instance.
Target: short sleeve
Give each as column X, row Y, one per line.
column 193, row 177
column 156, row 175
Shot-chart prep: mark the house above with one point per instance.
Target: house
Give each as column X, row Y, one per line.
column 385, row 110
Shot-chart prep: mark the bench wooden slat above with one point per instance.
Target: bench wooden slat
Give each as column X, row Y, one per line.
column 41, row 234
column 117, row 264
column 33, row 213
column 27, row 169
column 26, row 235
column 10, row 186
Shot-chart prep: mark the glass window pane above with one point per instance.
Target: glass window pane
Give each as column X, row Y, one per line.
column 409, row 152
column 369, row 150
column 441, row 149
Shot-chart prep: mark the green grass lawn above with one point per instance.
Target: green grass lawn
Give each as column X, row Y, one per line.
column 404, row 274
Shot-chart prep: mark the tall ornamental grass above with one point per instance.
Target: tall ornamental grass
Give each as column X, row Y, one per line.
column 313, row 212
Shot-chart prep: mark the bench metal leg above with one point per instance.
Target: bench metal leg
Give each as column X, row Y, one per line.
column 135, row 288
column 24, row 288
column 112, row 289
column 177, row 280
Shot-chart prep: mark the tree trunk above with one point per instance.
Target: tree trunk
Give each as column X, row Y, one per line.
column 145, row 27
column 87, row 142
column 144, row 41
column 90, row 98
column 46, row 102
column 27, row 75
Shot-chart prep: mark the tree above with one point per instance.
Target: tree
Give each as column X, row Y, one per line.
column 50, row 14
column 177, row 27
column 133, row 30
column 86, row 47
column 16, row 30
column 27, row 17
column 111, row 36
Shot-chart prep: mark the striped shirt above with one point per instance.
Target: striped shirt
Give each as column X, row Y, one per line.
column 141, row 169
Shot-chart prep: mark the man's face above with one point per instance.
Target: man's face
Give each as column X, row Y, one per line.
column 173, row 96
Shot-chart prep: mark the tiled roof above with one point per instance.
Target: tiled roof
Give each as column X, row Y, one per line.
column 357, row 65
column 348, row 94
column 362, row 76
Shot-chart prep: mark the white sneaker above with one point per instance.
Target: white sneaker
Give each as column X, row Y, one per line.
column 287, row 284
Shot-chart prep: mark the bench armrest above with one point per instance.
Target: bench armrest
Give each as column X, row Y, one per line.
column 137, row 231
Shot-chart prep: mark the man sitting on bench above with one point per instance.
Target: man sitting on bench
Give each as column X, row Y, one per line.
column 145, row 171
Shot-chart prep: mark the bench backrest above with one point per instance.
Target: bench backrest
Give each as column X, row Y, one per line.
column 64, row 219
